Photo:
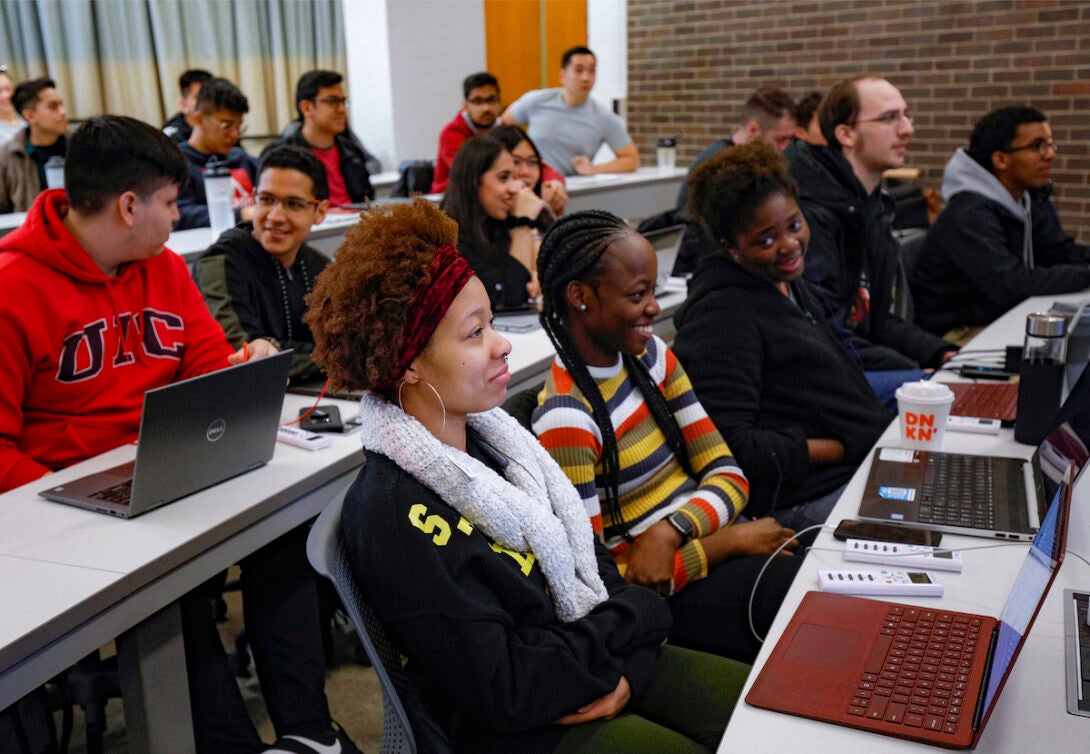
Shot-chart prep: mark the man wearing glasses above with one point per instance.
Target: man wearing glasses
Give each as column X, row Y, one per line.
column 853, row 258
column 218, row 124
column 999, row 240
column 322, row 127
column 480, row 111
column 255, row 277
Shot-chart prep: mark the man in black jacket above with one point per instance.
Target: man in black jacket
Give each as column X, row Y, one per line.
column 854, row 262
column 256, row 275
column 999, row 240
column 323, row 129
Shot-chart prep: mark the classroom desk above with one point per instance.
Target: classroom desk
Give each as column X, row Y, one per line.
column 646, row 192
column 11, row 221
column 71, row 580
column 532, row 352
column 1031, row 714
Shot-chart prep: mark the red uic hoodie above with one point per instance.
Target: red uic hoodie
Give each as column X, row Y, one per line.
column 78, row 348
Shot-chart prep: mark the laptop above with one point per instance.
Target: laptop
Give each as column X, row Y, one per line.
column 193, row 434
column 981, row 496
column 667, row 243
column 317, row 386
column 985, row 401
column 917, row 673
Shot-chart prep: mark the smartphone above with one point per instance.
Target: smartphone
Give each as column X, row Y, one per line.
column 849, row 529
column 325, row 418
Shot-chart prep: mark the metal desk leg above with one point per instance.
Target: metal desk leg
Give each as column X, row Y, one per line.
column 154, row 688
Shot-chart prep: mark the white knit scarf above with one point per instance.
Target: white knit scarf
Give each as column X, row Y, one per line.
column 534, row 509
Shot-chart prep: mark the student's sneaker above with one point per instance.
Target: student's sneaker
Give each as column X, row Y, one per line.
column 336, row 742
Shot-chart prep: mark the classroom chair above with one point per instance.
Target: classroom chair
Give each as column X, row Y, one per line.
column 325, row 550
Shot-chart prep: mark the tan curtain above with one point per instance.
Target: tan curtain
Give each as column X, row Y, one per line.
column 125, row 56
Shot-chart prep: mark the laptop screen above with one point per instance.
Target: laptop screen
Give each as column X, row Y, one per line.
column 1069, row 440
column 1027, row 594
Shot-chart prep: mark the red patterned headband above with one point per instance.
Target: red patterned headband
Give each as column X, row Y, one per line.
column 442, row 282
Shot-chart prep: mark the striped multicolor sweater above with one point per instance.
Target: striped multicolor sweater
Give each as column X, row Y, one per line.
column 652, row 482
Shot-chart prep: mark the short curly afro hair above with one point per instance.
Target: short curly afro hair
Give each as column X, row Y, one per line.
column 725, row 192
column 360, row 302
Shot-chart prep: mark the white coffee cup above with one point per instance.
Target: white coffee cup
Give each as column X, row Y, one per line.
column 924, row 408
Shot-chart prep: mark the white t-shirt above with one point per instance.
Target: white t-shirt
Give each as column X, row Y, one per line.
column 562, row 132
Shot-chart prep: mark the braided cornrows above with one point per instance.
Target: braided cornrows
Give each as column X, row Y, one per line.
column 574, row 249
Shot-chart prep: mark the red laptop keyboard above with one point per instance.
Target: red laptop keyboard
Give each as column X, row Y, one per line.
column 918, row 671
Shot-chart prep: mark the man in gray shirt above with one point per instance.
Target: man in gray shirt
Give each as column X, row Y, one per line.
column 568, row 126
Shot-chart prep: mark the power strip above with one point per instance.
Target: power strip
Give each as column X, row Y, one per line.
column 902, row 555
column 301, row 438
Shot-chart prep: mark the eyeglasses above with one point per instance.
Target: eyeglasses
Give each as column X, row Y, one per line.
column 224, row 126
column 292, row 205
column 889, row 119
column 493, row 100
column 530, row 162
column 333, row 101
column 1042, row 146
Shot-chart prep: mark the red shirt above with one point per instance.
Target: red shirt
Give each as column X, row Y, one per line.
column 331, row 158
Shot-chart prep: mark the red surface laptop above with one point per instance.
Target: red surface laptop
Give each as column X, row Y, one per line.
column 919, row 673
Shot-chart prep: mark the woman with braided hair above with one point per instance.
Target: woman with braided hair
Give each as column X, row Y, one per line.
column 620, row 417
column 473, row 547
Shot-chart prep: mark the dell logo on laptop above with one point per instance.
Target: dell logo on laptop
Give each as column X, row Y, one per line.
column 216, row 430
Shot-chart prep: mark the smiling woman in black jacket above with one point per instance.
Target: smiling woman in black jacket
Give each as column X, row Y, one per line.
column 787, row 396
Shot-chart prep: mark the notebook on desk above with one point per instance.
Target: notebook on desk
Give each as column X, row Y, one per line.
column 918, row 673
column 193, row 434
column 978, row 495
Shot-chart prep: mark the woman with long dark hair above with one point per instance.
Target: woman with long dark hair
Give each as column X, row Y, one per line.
column 496, row 215
column 532, row 170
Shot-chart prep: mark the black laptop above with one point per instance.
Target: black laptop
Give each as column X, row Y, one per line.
column 978, row 495
column 193, row 434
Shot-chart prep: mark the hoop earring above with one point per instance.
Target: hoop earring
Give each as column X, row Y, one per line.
column 442, row 405
column 431, row 387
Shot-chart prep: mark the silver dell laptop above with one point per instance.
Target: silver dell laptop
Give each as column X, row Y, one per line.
column 193, row 434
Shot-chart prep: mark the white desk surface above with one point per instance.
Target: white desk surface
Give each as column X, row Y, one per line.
column 645, row 192
column 1031, row 713
column 532, row 352
column 11, row 221
column 92, row 576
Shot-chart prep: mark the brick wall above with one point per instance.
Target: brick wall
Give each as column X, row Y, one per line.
column 692, row 65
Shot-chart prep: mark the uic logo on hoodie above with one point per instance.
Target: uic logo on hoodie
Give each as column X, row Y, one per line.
column 83, row 353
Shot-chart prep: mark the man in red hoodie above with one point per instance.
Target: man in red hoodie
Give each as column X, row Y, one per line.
column 93, row 313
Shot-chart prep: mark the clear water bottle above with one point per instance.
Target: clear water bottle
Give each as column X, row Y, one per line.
column 218, row 191
column 54, row 172
column 1041, row 376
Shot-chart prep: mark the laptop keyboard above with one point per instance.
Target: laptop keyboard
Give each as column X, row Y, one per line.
column 995, row 402
column 958, row 490
column 918, row 672
column 119, row 493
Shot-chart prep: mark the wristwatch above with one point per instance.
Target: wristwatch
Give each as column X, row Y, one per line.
column 683, row 524
column 517, row 221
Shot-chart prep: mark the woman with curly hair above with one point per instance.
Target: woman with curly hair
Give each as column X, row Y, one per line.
column 789, row 398
column 497, row 215
column 473, row 547
column 619, row 415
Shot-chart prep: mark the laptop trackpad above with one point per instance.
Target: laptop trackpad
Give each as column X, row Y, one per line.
column 822, row 646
